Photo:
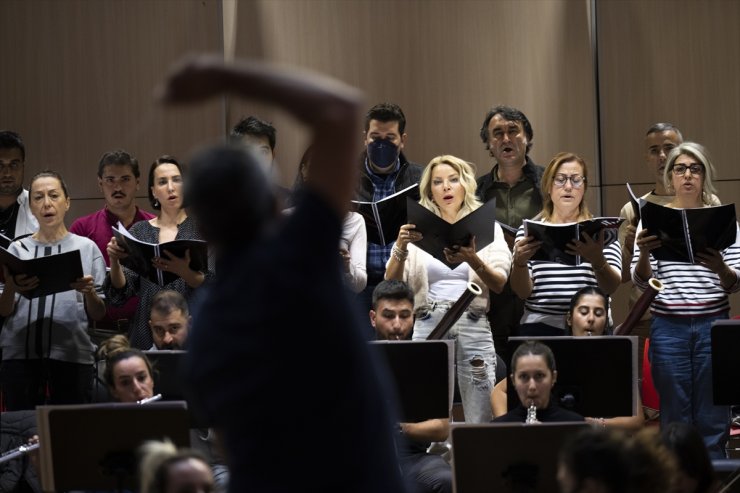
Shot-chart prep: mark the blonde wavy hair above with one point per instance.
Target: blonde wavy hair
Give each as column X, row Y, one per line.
column 466, row 171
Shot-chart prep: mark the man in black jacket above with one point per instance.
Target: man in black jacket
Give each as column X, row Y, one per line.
column 384, row 171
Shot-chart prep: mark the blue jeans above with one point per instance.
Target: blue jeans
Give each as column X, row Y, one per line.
column 474, row 356
column 681, row 364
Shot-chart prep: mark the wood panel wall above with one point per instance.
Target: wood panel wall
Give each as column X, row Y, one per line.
column 78, row 77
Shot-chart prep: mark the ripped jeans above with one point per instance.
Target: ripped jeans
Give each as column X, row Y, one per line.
column 475, row 357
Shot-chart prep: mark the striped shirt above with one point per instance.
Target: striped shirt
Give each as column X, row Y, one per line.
column 554, row 284
column 690, row 290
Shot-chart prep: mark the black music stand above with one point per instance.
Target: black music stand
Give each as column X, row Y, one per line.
column 725, row 336
column 423, row 375
column 168, row 379
column 597, row 375
column 508, row 457
column 93, row 446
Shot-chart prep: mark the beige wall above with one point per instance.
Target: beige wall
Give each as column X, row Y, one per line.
column 78, row 77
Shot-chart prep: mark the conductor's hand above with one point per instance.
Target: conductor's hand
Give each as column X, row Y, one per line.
column 193, row 79
column 20, row 283
column 115, row 252
column 84, row 285
column 459, row 253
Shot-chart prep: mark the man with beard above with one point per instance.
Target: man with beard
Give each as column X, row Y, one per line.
column 118, row 179
column 15, row 213
column 169, row 320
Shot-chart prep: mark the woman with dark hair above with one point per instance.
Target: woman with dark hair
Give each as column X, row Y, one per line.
column 172, row 223
column 598, row 460
column 128, row 372
column 695, row 471
column 588, row 313
column 47, row 353
column 695, row 295
column 534, row 375
column 586, row 317
column 547, row 287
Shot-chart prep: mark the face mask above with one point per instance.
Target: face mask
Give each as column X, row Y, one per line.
column 382, row 152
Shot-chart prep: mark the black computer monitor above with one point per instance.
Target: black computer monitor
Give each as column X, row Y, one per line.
column 508, row 457
column 597, row 376
column 725, row 336
column 422, row 372
column 93, row 446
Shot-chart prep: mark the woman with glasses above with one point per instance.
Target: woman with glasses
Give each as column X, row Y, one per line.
column 547, row 287
column 695, row 295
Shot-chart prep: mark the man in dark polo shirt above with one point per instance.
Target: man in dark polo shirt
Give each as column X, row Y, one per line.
column 514, row 181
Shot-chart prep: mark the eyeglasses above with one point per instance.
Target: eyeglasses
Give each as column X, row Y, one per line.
column 695, row 169
column 575, row 180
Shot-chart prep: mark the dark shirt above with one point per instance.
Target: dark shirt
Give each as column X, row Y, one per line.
column 8, row 217
column 277, row 361
column 513, row 203
column 550, row 414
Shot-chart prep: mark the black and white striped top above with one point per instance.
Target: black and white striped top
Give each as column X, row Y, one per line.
column 690, row 290
column 555, row 284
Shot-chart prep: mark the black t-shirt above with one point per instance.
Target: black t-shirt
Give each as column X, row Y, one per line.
column 8, row 218
column 550, row 414
column 277, row 360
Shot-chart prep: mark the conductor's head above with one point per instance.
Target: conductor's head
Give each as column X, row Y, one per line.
column 229, row 195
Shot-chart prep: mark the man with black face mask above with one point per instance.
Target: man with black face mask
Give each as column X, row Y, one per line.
column 385, row 171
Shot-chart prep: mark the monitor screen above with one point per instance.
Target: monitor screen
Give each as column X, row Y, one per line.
column 597, row 376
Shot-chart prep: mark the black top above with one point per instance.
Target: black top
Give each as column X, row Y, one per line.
column 278, row 361
column 550, row 414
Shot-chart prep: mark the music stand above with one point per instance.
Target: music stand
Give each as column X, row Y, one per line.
column 168, row 379
column 93, row 446
column 423, row 374
column 725, row 336
column 597, row 375
column 508, row 457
